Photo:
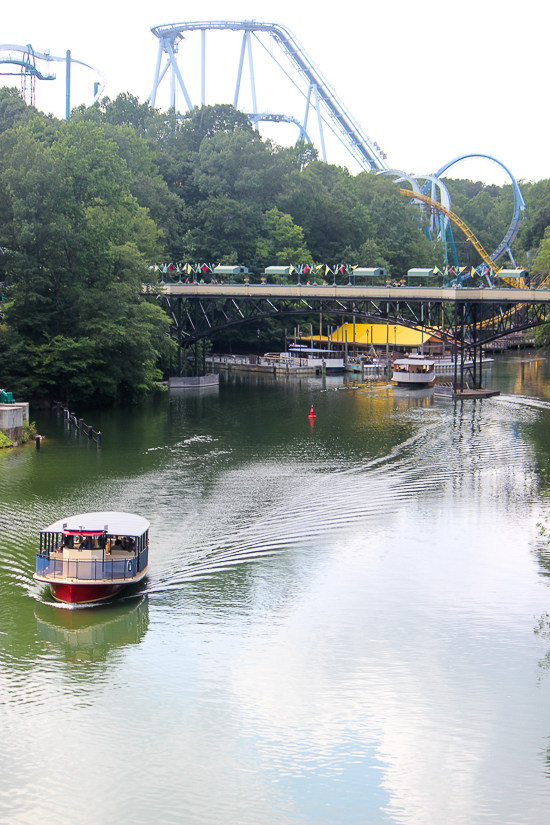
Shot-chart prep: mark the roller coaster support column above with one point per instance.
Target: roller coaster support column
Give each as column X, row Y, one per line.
column 252, row 80
column 320, row 123
column 239, row 73
column 203, row 66
column 68, row 85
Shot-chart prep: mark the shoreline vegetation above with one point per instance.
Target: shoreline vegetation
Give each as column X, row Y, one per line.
column 88, row 205
column 29, row 432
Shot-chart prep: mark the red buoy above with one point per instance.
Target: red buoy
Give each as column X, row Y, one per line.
column 312, row 413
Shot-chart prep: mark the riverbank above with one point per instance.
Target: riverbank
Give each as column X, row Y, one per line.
column 28, row 432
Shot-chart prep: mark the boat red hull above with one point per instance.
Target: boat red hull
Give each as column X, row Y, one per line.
column 82, row 593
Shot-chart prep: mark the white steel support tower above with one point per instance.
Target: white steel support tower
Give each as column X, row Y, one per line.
column 330, row 110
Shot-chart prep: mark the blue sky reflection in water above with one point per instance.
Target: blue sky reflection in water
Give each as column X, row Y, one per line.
column 338, row 628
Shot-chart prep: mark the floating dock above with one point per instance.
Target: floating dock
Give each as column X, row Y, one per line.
column 447, row 391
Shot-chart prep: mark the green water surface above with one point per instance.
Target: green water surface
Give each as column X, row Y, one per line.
column 344, row 623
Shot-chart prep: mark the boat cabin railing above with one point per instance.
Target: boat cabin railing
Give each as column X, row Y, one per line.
column 91, row 569
column 104, row 557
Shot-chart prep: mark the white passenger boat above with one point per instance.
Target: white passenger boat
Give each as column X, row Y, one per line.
column 91, row 557
column 331, row 360
column 414, row 371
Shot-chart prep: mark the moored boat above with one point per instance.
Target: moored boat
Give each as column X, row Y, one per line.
column 330, row 361
column 90, row 557
column 414, row 371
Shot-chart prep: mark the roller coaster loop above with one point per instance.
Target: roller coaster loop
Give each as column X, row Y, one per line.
column 519, row 204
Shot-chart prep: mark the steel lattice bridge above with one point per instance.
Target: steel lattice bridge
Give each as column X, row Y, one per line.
column 466, row 319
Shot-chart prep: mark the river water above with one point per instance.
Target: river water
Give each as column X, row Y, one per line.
column 344, row 623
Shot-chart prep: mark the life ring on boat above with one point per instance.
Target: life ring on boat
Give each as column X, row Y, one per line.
column 129, row 566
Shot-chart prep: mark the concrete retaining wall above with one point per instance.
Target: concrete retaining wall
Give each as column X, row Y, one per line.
column 195, row 381
column 11, row 419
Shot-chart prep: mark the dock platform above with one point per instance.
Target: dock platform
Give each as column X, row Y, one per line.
column 447, row 391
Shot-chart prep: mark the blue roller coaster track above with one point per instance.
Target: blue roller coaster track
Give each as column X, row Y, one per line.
column 440, row 225
column 320, row 96
column 365, row 151
column 519, row 203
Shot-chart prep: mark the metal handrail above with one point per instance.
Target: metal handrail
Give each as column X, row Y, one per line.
column 52, row 565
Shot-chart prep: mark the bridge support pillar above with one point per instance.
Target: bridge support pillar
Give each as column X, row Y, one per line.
column 179, row 337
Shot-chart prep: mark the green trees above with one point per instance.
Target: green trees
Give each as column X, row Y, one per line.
column 77, row 245
column 281, row 241
column 362, row 219
column 87, row 206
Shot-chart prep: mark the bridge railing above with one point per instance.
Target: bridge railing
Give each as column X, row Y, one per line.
column 335, row 275
column 321, row 275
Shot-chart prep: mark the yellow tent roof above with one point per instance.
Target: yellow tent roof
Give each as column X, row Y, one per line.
column 377, row 334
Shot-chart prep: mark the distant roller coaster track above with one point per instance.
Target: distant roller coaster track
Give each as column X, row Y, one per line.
column 25, row 58
column 366, row 152
column 418, row 196
column 421, row 184
column 519, row 203
column 342, row 123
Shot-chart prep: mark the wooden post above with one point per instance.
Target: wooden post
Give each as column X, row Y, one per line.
column 81, row 424
column 99, row 439
column 90, row 434
column 37, row 440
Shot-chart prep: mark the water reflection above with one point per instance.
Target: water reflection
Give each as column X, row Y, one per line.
column 89, row 634
column 527, row 373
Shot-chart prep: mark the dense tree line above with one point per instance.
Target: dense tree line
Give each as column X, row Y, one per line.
column 87, row 206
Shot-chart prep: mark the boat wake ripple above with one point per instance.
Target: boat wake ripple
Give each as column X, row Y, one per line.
column 265, row 508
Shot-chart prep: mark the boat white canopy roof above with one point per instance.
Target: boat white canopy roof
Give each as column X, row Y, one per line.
column 415, row 361
column 117, row 524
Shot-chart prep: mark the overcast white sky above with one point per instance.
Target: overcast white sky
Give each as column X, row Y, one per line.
column 427, row 80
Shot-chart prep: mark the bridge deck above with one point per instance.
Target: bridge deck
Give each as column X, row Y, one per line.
column 375, row 293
